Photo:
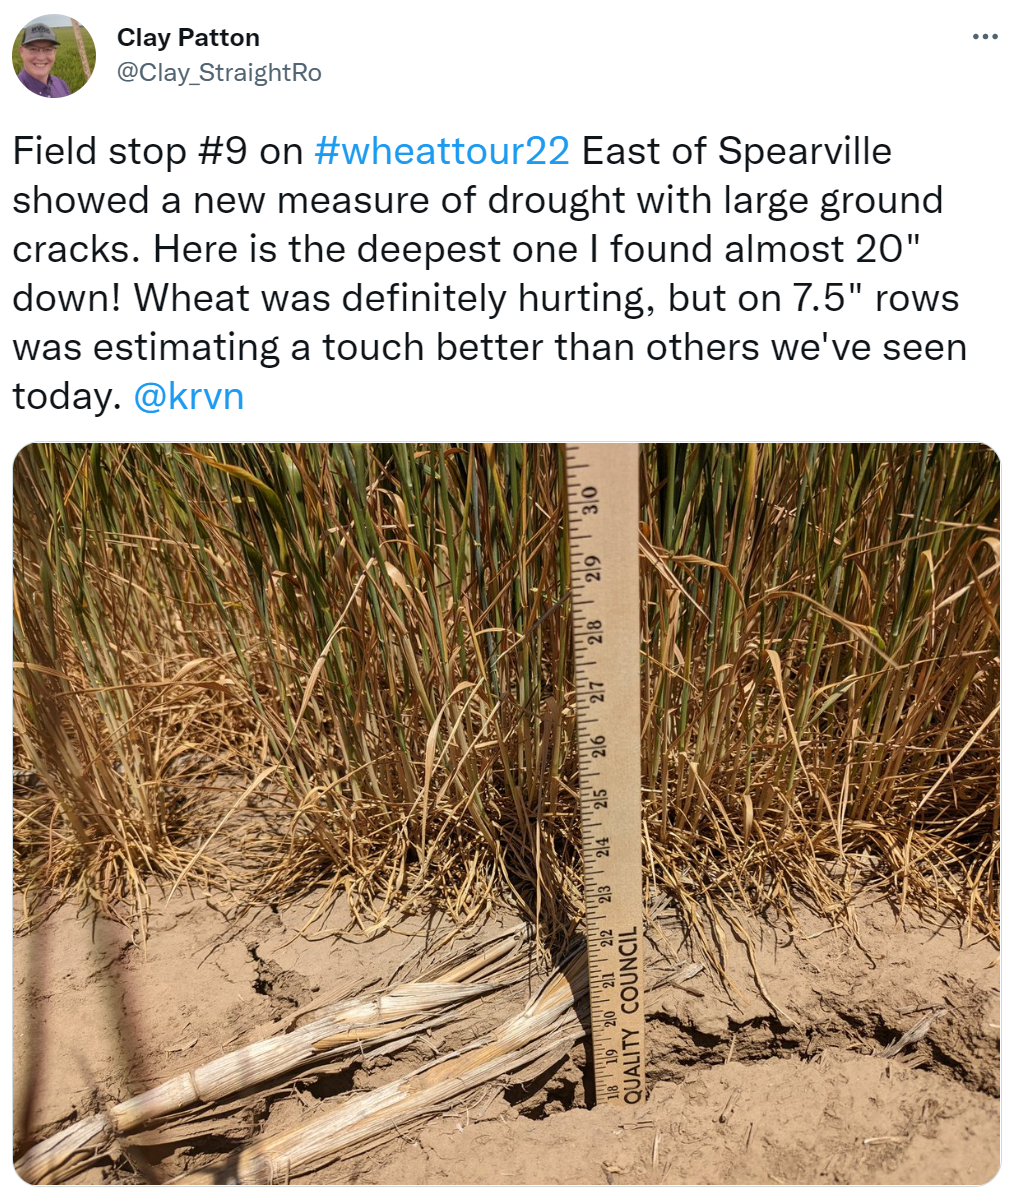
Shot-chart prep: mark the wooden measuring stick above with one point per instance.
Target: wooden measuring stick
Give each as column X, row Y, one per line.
column 603, row 516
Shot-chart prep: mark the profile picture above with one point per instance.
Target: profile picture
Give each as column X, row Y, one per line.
column 54, row 56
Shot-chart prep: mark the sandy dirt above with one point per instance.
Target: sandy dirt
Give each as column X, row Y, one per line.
column 780, row 1080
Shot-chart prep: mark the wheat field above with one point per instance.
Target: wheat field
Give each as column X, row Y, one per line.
column 272, row 668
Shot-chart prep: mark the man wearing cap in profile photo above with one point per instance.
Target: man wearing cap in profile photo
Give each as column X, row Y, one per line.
column 38, row 53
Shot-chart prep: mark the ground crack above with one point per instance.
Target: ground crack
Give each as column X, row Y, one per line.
column 285, row 988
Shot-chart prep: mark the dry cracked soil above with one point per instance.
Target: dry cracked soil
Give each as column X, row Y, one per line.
column 769, row 1065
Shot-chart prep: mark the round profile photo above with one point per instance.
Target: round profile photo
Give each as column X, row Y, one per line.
column 53, row 56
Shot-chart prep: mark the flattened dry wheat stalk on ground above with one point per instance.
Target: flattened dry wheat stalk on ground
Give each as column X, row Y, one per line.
column 545, row 1029
column 391, row 1019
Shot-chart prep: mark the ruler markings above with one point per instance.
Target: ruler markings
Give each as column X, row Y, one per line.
column 603, row 506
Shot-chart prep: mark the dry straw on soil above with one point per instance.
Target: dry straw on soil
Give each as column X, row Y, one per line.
column 271, row 666
column 391, row 1019
column 545, row 1029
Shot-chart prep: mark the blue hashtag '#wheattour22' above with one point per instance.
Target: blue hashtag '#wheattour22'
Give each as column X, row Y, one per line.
column 327, row 150
column 535, row 151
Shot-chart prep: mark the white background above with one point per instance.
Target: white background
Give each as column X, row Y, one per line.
column 909, row 75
